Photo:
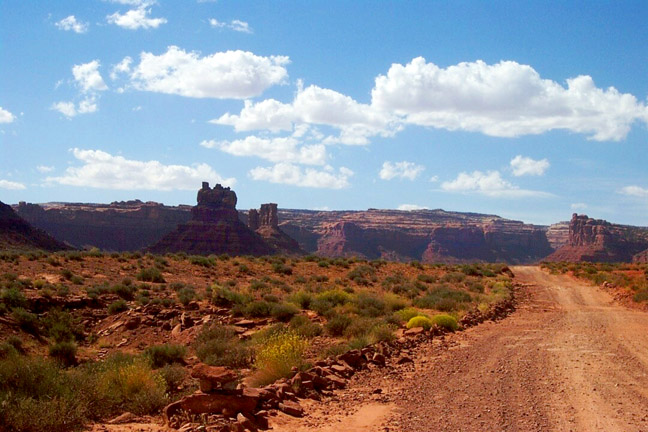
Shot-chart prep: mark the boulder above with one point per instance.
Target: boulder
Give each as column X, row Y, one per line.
column 291, row 408
column 201, row 403
column 214, row 377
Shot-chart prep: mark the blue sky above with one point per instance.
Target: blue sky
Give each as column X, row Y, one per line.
column 528, row 110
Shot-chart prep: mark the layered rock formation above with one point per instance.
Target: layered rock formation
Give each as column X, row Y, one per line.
column 265, row 222
column 427, row 235
column 119, row 226
column 214, row 228
column 596, row 240
column 641, row 257
column 17, row 234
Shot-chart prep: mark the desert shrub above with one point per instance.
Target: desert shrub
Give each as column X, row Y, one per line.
column 475, row 286
column 64, row 352
column 362, row 274
column 338, row 324
column 127, row 383
column 26, row 320
column 305, row 327
column 117, row 306
column 420, row 321
column 66, row 273
column 319, row 278
column 243, row 269
column 161, row 355
column 61, row 326
column 186, row 295
column 445, row 321
column 381, row 332
column 151, row 274
column 218, row 345
column 369, row 305
column 281, row 268
column 203, row 261
column 38, row 396
column 359, row 326
column 127, row 292
column 257, row 309
column 426, row 278
column 640, row 296
column 301, row 298
column 394, row 302
column 283, row 311
column 404, row 315
column 359, row 342
column 453, row 277
column 13, row 298
column 416, row 265
column 16, row 343
column 443, row 298
column 225, row 297
column 276, row 357
column 257, row 285
column 173, row 375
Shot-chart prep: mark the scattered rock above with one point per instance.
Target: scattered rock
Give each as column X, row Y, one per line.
column 124, row 418
column 291, row 408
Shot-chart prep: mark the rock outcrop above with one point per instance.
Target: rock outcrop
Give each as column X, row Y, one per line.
column 17, row 234
column 641, row 257
column 426, row 235
column 214, row 228
column 596, row 240
column 119, row 226
column 265, row 222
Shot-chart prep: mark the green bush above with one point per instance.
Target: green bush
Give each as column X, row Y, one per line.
column 445, row 321
column 257, row 309
column 26, row 320
column 404, row 315
column 64, row 353
column 420, row 321
column 338, row 324
column 38, row 396
column 127, row 383
column 283, row 311
column 381, row 332
column 305, row 327
column 301, row 298
column 276, row 357
column 369, row 305
column 61, row 326
column 225, row 297
column 443, row 298
column 117, row 306
column 161, row 355
column 640, row 296
column 13, row 298
column 219, row 345
column 203, row 261
column 151, row 274
column 186, row 295
column 127, row 292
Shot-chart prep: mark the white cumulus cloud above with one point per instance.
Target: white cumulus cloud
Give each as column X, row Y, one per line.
column 6, row 116
column 281, row 149
column 313, row 105
column 70, row 109
column 102, row 170
column 526, row 166
column 236, row 25
column 287, row 173
column 44, row 168
column 636, row 191
column 136, row 18
column 402, row 170
column 71, row 24
column 489, row 184
column 506, row 99
column 411, row 207
column 222, row 75
column 6, row 184
column 88, row 77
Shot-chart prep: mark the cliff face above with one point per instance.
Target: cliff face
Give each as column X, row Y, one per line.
column 265, row 222
column 120, row 226
column 214, row 228
column 16, row 233
column 597, row 240
column 427, row 235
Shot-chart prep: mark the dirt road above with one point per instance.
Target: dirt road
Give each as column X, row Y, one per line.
column 568, row 359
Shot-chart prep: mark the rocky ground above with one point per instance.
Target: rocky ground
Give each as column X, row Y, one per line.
column 569, row 359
